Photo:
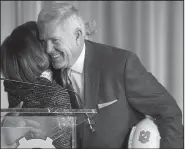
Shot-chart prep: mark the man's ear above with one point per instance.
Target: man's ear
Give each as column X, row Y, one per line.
column 78, row 36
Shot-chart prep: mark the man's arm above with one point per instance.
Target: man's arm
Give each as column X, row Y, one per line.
column 148, row 96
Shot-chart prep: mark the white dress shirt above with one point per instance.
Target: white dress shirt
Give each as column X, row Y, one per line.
column 76, row 74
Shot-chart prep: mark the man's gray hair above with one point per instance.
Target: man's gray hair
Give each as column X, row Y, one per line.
column 65, row 12
column 62, row 13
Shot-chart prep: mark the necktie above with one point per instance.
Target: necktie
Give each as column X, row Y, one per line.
column 75, row 101
column 76, row 104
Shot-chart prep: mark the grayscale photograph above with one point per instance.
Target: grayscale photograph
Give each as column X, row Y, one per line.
column 92, row 74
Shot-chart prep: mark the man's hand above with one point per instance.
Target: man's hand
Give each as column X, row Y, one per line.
column 19, row 105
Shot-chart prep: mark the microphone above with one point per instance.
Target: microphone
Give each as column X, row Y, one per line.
column 92, row 129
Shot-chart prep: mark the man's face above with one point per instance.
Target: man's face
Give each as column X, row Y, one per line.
column 60, row 44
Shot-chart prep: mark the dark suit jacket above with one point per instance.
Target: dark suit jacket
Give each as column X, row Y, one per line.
column 111, row 73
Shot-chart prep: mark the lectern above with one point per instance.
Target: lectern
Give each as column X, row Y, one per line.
column 39, row 128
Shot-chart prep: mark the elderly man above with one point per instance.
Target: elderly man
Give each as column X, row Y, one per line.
column 109, row 79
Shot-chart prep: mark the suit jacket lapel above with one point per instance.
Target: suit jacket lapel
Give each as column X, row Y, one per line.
column 91, row 77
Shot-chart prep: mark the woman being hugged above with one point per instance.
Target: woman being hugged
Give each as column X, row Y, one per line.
column 28, row 78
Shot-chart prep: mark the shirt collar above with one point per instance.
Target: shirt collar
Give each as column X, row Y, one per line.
column 79, row 64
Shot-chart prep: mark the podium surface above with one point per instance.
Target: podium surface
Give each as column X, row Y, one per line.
column 43, row 128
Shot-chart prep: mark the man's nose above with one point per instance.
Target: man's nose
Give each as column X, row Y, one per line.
column 49, row 47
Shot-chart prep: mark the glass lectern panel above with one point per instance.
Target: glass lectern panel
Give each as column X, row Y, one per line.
column 43, row 128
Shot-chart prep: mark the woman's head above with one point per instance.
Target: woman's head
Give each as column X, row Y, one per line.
column 22, row 55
